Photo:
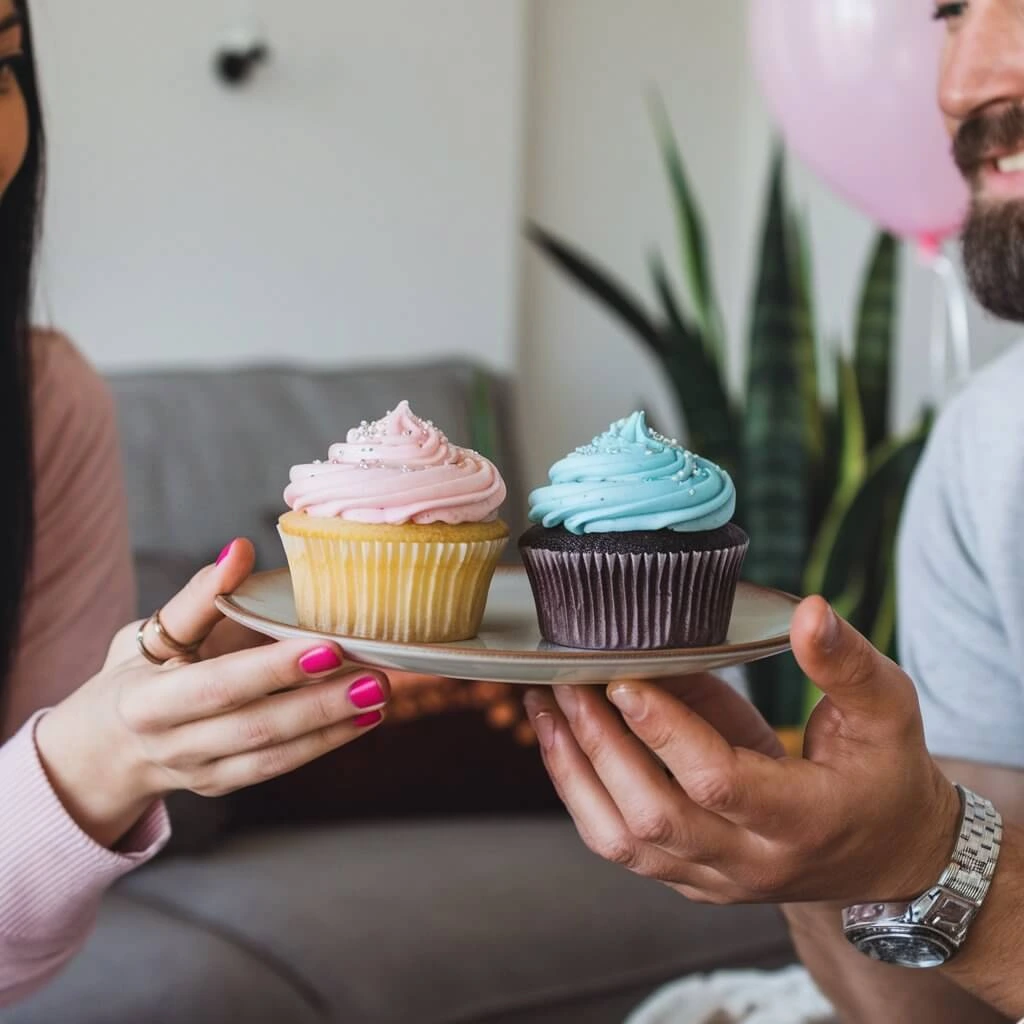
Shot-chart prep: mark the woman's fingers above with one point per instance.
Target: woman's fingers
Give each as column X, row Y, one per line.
column 190, row 616
column 232, row 773
column 229, row 636
column 275, row 721
column 190, row 693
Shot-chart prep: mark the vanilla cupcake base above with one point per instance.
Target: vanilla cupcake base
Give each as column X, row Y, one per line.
column 409, row 583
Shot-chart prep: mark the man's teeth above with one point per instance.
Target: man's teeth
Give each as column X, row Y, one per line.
column 1011, row 164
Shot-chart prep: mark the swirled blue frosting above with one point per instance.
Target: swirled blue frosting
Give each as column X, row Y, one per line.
column 632, row 479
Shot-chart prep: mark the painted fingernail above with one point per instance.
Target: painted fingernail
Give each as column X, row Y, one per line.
column 318, row 660
column 227, row 551
column 366, row 693
column 628, row 701
column 370, row 718
column 544, row 727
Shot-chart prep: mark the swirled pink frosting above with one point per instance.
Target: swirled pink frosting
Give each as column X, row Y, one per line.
column 400, row 469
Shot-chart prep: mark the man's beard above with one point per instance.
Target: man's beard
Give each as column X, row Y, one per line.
column 993, row 244
column 993, row 238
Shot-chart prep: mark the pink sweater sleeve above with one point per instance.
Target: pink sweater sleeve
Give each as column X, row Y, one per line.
column 52, row 875
column 80, row 591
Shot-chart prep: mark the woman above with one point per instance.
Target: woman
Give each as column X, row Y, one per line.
column 182, row 701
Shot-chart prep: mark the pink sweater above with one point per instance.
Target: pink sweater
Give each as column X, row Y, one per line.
column 52, row 876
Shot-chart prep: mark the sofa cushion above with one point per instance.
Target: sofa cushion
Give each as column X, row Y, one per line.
column 146, row 965
column 207, row 452
column 483, row 921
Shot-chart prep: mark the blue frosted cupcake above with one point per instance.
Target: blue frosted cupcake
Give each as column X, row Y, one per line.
column 634, row 547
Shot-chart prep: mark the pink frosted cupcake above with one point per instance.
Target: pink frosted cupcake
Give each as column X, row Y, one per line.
column 395, row 537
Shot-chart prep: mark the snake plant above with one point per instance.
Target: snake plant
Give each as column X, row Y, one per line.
column 820, row 478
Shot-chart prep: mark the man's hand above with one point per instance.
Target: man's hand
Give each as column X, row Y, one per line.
column 733, row 717
column 865, row 815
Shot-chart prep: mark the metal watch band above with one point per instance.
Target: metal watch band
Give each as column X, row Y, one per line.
column 977, row 849
column 954, row 902
column 946, row 910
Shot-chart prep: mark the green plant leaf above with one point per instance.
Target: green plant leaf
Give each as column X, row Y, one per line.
column 882, row 632
column 798, row 248
column 483, row 422
column 777, row 688
column 704, row 404
column 876, row 329
column 598, row 283
column 775, row 456
column 853, row 448
column 667, row 296
column 845, row 542
column 692, row 243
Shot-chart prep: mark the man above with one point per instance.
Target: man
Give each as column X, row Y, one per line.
column 868, row 820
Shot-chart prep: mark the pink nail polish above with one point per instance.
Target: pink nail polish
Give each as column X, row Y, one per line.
column 366, row 693
column 224, row 554
column 370, row 718
column 318, row 660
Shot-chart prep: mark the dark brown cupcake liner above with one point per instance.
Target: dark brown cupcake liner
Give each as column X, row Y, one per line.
column 634, row 601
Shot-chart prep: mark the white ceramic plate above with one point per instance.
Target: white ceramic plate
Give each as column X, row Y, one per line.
column 509, row 647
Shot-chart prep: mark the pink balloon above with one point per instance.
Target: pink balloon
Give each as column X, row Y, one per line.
column 854, row 86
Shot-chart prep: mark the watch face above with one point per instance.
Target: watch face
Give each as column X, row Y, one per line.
column 905, row 950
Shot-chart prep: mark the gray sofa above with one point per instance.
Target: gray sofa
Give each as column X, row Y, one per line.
column 479, row 917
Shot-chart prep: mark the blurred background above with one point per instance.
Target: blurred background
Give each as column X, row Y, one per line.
column 360, row 200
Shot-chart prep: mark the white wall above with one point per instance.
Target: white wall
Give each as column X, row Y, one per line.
column 362, row 200
column 359, row 201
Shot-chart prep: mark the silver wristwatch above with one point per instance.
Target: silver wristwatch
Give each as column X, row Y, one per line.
column 929, row 931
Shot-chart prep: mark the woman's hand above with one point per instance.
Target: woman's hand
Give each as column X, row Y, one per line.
column 244, row 712
column 865, row 815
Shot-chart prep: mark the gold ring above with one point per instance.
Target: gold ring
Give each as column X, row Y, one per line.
column 144, row 650
column 175, row 645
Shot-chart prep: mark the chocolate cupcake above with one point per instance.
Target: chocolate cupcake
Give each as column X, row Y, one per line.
column 634, row 548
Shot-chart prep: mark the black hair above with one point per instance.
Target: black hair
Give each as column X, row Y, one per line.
column 20, row 210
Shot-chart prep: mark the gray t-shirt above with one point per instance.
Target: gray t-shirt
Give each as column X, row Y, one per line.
column 961, row 572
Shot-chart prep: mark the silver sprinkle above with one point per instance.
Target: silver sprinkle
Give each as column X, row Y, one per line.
column 692, row 492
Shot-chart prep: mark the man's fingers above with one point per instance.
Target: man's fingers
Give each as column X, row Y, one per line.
column 741, row 786
column 215, row 687
column 725, row 709
column 189, row 616
column 858, row 679
column 655, row 808
column 596, row 816
column 276, row 720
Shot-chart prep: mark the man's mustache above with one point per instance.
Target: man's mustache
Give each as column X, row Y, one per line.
column 988, row 137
